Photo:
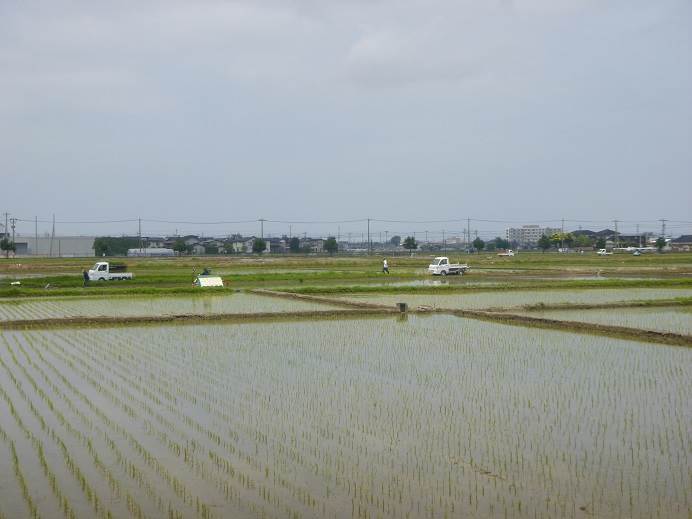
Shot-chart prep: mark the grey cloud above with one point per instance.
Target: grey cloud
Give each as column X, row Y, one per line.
column 348, row 106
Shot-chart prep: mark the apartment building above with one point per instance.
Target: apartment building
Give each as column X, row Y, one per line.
column 528, row 234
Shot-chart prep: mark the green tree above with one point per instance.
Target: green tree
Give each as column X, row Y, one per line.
column 180, row 247
column 478, row 244
column 544, row 243
column 259, row 246
column 501, row 243
column 330, row 245
column 114, row 245
column 556, row 239
column 395, row 240
column 583, row 241
column 600, row 243
column 410, row 244
column 294, row 244
column 568, row 239
column 6, row 245
column 660, row 243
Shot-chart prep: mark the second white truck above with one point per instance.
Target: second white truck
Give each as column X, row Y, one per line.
column 441, row 266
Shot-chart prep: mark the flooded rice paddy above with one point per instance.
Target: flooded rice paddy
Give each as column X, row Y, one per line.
column 240, row 303
column 663, row 319
column 432, row 416
column 498, row 299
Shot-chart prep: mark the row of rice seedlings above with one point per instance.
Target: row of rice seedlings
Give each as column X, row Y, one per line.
column 197, row 466
column 249, row 460
column 23, row 310
column 215, row 457
column 150, row 460
column 130, row 468
column 85, row 439
column 37, row 444
column 238, row 303
column 74, row 468
column 18, row 474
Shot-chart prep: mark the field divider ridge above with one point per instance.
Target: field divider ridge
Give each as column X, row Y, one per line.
column 504, row 317
column 60, row 322
column 622, row 332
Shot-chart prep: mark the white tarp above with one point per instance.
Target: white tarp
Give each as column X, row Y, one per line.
column 209, row 281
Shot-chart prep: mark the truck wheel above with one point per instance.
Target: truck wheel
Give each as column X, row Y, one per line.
column 444, row 272
column 102, row 279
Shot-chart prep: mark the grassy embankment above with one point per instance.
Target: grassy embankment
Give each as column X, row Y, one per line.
column 340, row 274
column 521, row 285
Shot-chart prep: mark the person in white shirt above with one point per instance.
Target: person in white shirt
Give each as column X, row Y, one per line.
column 385, row 266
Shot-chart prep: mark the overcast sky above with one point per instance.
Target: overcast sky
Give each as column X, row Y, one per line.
column 521, row 111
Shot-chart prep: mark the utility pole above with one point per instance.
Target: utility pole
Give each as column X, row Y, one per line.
column 52, row 236
column 369, row 242
column 36, row 235
column 426, row 238
column 13, row 222
column 617, row 236
column 262, row 220
column 290, row 230
column 139, row 232
column 663, row 228
column 639, row 236
column 468, row 233
column 562, row 234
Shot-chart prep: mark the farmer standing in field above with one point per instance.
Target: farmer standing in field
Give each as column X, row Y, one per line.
column 85, row 275
column 385, row 266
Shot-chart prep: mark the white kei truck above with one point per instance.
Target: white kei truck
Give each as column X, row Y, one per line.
column 441, row 266
column 104, row 271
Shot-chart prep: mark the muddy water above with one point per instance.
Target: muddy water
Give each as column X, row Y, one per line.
column 663, row 319
column 142, row 306
column 516, row 298
column 427, row 417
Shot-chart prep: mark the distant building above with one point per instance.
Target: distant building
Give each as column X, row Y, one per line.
column 683, row 243
column 65, row 246
column 528, row 234
column 151, row 251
